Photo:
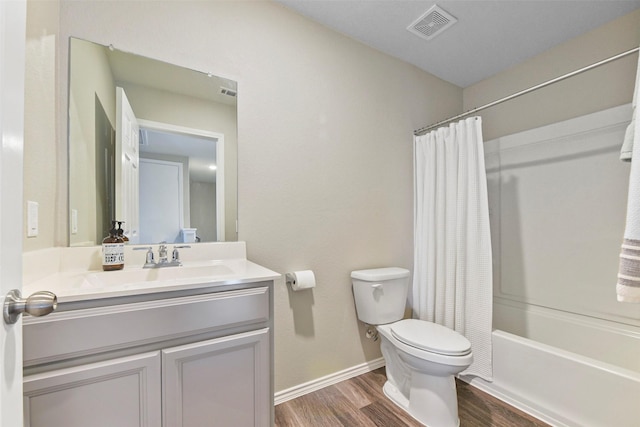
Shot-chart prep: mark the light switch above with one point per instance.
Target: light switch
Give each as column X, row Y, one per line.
column 74, row 221
column 32, row 219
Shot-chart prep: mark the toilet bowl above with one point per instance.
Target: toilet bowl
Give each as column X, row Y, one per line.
column 421, row 357
column 422, row 380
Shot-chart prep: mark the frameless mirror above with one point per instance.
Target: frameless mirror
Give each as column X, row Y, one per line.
column 151, row 144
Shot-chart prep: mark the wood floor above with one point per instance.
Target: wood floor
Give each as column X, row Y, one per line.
column 361, row 402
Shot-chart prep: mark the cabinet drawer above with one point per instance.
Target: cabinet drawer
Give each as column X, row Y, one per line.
column 78, row 333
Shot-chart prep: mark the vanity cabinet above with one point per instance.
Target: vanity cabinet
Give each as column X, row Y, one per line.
column 117, row 392
column 219, row 382
column 171, row 360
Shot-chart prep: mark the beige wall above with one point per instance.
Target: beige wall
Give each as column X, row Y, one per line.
column 41, row 165
column 203, row 196
column 91, row 77
column 604, row 87
column 325, row 151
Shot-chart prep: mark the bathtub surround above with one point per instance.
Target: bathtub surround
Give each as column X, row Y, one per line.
column 531, row 306
column 452, row 279
column 557, row 196
column 626, row 151
column 628, row 286
column 600, row 89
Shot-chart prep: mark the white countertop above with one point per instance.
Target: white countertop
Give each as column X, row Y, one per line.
column 72, row 273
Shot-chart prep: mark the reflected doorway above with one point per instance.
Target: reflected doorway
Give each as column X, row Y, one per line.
column 199, row 155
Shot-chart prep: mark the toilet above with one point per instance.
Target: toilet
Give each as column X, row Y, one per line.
column 421, row 357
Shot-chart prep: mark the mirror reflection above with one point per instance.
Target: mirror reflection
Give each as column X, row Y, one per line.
column 151, row 144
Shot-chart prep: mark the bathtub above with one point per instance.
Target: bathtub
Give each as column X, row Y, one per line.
column 565, row 350
column 560, row 387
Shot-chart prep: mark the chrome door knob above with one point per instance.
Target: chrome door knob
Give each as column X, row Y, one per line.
column 38, row 304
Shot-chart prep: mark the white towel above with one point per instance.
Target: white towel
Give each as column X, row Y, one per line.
column 627, row 145
column 628, row 286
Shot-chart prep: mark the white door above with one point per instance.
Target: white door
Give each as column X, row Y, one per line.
column 127, row 167
column 161, row 201
column 12, row 68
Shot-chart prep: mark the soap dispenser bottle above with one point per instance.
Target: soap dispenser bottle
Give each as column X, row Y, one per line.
column 112, row 250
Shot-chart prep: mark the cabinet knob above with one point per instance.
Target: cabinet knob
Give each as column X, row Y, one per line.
column 38, row 304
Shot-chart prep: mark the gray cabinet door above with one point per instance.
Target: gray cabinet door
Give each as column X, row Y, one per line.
column 122, row 392
column 222, row 382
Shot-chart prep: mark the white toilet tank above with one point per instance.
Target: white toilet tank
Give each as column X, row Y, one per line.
column 380, row 294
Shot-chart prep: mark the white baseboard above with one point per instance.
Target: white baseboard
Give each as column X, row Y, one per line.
column 315, row 385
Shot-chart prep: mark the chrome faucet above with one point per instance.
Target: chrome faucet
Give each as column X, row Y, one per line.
column 175, row 256
column 162, row 253
column 150, row 262
column 163, row 260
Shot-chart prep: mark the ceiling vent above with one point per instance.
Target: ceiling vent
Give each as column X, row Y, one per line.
column 432, row 23
column 227, row 91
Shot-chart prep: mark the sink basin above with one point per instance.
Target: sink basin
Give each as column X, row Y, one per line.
column 75, row 274
column 135, row 276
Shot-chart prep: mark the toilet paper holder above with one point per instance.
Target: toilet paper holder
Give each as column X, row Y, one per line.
column 290, row 278
column 300, row 280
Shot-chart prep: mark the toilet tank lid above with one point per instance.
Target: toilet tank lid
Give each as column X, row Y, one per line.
column 380, row 274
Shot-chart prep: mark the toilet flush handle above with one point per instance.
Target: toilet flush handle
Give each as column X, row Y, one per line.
column 377, row 286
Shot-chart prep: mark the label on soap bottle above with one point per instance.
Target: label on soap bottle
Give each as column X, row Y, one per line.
column 112, row 253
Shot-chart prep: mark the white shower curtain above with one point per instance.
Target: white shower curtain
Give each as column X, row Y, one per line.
column 452, row 279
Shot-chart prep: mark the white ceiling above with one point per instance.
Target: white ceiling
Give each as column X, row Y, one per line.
column 489, row 37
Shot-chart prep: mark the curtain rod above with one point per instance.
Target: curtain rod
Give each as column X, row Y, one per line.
column 525, row 91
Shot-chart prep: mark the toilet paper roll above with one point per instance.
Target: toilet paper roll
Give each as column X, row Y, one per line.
column 299, row 280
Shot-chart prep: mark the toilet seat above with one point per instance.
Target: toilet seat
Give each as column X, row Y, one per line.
column 430, row 337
